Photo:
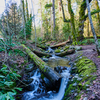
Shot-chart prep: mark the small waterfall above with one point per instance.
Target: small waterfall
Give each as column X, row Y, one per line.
column 50, row 95
column 60, row 94
column 52, row 52
column 36, row 85
column 39, row 91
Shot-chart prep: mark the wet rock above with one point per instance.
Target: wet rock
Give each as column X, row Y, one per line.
column 75, row 84
column 74, row 68
column 71, row 63
column 79, row 79
column 78, row 48
column 88, row 89
column 76, row 76
column 85, row 98
column 75, row 94
column 28, row 81
column 45, row 59
column 59, row 69
column 30, row 68
column 87, row 85
column 72, row 91
column 72, row 47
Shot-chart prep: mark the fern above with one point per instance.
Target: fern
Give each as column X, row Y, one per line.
column 8, row 83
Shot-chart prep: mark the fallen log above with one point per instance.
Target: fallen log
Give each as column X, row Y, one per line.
column 42, row 46
column 37, row 52
column 67, row 52
column 61, row 44
column 48, row 72
column 41, row 54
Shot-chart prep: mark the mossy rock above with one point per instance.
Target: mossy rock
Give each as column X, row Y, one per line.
column 59, row 48
column 57, row 51
column 47, row 44
column 66, row 48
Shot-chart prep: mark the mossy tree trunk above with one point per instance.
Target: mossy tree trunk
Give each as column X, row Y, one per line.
column 63, row 11
column 27, row 10
column 98, row 16
column 53, row 76
column 82, row 20
column 72, row 21
column 92, row 28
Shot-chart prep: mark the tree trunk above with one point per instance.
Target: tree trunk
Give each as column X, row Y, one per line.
column 63, row 11
column 53, row 17
column 88, row 33
column 27, row 10
column 41, row 19
column 53, row 76
column 34, row 24
column 98, row 16
column 82, row 20
column 92, row 28
column 72, row 21
column 8, row 29
column 23, row 18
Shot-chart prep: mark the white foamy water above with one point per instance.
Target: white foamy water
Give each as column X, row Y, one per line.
column 52, row 96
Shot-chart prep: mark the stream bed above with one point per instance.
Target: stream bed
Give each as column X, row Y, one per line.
column 39, row 91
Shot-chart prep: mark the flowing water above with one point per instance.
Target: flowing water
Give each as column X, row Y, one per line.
column 38, row 90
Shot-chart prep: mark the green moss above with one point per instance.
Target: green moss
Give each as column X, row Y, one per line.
column 85, row 68
column 66, row 48
column 57, row 51
column 48, row 44
column 98, row 56
column 59, row 47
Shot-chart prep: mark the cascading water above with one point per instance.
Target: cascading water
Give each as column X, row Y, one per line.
column 39, row 92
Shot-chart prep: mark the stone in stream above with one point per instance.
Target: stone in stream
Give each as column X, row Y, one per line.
column 45, row 59
column 59, row 69
column 85, row 98
column 75, row 84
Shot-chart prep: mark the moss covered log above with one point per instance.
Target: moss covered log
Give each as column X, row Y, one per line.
column 67, row 52
column 53, row 76
column 61, row 44
column 41, row 54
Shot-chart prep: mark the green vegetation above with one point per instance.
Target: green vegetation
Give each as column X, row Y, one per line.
column 8, row 85
column 57, row 51
column 55, row 22
column 84, row 69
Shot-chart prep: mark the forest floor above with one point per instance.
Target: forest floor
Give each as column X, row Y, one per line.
column 90, row 52
column 87, row 50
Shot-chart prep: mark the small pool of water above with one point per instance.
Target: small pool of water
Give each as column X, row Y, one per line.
column 58, row 61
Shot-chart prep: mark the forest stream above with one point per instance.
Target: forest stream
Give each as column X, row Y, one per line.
column 38, row 91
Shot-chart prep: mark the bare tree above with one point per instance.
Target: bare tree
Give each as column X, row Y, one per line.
column 34, row 23
column 8, row 24
column 92, row 28
column 41, row 19
column 53, row 16
column 23, row 18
